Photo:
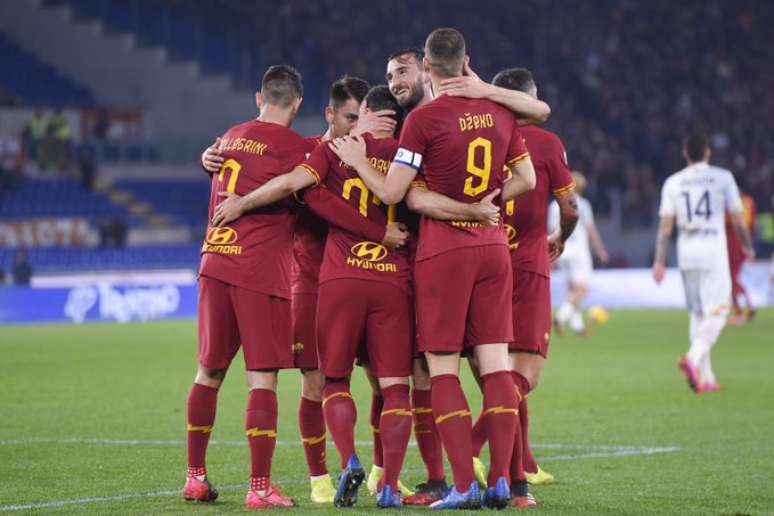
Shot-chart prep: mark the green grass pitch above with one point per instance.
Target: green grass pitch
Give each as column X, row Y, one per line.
column 93, row 422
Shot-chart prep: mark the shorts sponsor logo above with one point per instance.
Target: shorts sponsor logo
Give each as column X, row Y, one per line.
column 221, row 240
column 367, row 255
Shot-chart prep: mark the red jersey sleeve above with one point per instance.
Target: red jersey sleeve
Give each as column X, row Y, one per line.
column 333, row 209
column 412, row 144
column 559, row 177
column 517, row 150
column 318, row 163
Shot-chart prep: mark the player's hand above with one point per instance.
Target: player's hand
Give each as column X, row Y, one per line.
column 467, row 70
column 350, row 149
column 374, row 122
column 469, row 86
column 486, row 211
column 228, row 210
column 659, row 271
column 749, row 254
column 604, row 258
column 555, row 246
column 396, row 235
column 212, row 157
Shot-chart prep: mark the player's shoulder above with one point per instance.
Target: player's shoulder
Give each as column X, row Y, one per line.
column 535, row 135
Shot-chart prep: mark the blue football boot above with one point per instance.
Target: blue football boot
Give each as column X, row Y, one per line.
column 499, row 496
column 470, row 499
column 349, row 483
column 388, row 498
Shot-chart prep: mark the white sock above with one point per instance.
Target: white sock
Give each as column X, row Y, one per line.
column 565, row 312
column 705, row 368
column 710, row 329
column 576, row 322
column 699, row 346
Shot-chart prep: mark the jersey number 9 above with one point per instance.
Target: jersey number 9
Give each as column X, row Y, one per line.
column 482, row 172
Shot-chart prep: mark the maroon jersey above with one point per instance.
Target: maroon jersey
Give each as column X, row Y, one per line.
column 308, row 244
column 526, row 217
column 256, row 250
column 462, row 146
column 348, row 255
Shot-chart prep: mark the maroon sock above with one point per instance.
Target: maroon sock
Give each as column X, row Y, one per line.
column 517, row 459
column 528, row 461
column 377, row 403
column 312, row 426
column 202, row 403
column 426, row 434
column 340, row 416
column 530, row 466
column 395, row 430
column 261, row 430
column 501, row 415
column 452, row 417
column 479, row 435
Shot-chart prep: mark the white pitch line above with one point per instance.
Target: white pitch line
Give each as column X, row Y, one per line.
column 616, row 451
column 630, row 452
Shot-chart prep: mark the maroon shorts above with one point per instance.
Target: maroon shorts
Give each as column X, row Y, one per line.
column 354, row 313
column 531, row 313
column 464, row 298
column 305, row 331
column 230, row 316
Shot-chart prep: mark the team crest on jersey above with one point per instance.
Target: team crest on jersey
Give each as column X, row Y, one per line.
column 368, row 255
column 510, row 233
column 221, row 240
column 298, row 348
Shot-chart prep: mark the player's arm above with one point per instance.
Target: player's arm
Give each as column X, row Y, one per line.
column 528, row 109
column 437, row 206
column 334, row 210
column 568, row 219
column 735, row 209
column 741, row 229
column 523, row 178
column 212, row 157
column 390, row 188
column 276, row 189
column 665, row 228
column 596, row 243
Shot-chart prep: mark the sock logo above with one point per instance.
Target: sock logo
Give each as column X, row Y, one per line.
column 257, row 432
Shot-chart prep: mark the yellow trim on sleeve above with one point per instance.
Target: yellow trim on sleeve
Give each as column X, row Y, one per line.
column 518, row 159
column 567, row 189
column 312, row 172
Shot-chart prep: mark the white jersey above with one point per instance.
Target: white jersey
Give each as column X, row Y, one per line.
column 699, row 197
column 577, row 246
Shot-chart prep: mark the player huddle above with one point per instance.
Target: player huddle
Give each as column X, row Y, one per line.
column 397, row 243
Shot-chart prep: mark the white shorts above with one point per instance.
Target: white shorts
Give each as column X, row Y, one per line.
column 577, row 268
column 707, row 292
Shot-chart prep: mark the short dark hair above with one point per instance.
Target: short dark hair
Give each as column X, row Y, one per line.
column 519, row 79
column 348, row 88
column 416, row 53
column 695, row 145
column 281, row 85
column 445, row 49
column 379, row 97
